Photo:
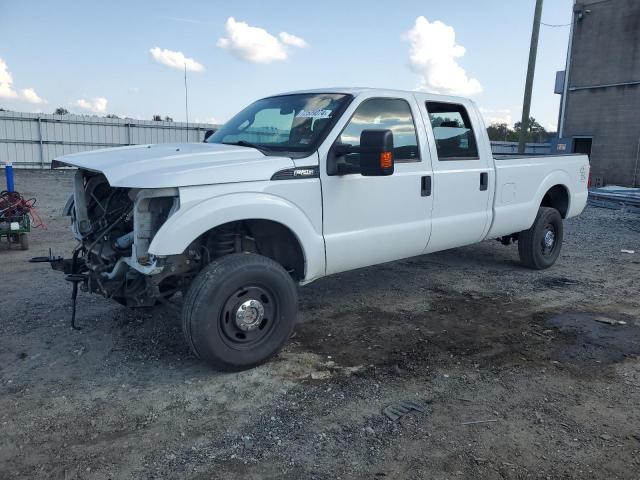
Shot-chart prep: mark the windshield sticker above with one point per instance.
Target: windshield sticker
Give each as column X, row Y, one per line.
column 314, row 114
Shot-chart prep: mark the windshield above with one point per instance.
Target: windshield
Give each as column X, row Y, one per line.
column 292, row 123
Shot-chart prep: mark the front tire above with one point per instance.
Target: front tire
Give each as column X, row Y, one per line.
column 239, row 311
column 24, row 241
column 539, row 247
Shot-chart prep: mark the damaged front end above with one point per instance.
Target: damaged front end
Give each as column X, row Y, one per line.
column 114, row 228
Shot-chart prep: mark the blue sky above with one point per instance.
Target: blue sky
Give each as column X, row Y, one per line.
column 95, row 56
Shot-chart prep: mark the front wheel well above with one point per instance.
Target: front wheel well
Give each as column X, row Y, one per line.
column 265, row 237
column 557, row 197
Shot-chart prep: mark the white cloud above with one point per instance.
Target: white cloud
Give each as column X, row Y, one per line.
column 8, row 91
column 5, row 75
column 30, row 95
column 97, row 105
column 175, row 60
column 503, row 115
column 433, row 55
column 292, row 40
column 255, row 44
column 211, row 120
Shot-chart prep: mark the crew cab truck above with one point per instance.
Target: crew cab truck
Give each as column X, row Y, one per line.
column 296, row 187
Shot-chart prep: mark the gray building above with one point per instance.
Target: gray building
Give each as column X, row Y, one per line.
column 600, row 108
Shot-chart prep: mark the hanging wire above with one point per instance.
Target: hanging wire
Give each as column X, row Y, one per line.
column 552, row 25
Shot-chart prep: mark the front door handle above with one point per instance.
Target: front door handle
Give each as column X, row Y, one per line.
column 484, row 181
column 425, row 186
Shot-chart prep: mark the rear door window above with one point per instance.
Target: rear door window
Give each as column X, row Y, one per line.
column 452, row 129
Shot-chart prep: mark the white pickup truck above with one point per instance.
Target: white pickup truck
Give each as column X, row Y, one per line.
column 295, row 187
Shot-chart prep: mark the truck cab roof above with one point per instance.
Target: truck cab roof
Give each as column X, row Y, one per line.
column 386, row 92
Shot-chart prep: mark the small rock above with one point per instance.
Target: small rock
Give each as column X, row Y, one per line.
column 248, row 442
column 370, row 431
column 604, row 436
column 539, row 417
column 320, row 375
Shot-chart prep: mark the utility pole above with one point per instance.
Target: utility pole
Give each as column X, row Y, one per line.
column 533, row 50
column 186, row 100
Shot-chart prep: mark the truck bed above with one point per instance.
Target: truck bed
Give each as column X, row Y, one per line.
column 513, row 156
column 522, row 181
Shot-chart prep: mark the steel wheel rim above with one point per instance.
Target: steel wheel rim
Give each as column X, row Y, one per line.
column 247, row 317
column 549, row 240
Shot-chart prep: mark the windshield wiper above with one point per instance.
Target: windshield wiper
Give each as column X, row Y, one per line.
column 244, row 143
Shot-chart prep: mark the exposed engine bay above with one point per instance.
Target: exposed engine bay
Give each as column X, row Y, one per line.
column 114, row 227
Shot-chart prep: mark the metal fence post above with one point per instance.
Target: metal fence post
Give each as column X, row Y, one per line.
column 40, row 142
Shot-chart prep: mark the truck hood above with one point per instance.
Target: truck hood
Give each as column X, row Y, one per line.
column 177, row 164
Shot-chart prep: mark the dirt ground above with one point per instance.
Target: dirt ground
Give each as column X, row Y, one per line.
column 468, row 334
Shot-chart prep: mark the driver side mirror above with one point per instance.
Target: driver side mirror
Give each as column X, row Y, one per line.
column 376, row 153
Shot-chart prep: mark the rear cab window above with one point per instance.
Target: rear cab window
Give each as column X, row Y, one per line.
column 453, row 132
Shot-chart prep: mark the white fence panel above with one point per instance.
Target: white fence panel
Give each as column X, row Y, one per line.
column 33, row 140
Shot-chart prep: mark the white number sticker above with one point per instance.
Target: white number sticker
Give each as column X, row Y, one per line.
column 314, row 114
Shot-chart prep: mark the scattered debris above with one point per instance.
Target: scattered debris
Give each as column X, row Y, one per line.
column 624, row 250
column 610, row 321
column 370, row 431
column 604, row 436
column 616, row 198
column 474, row 422
column 396, row 410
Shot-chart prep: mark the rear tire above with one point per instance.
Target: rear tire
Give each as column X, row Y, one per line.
column 239, row 311
column 539, row 247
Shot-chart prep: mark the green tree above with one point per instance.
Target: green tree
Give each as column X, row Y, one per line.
column 61, row 111
column 536, row 133
column 499, row 132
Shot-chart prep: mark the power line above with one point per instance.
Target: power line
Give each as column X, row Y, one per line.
column 553, row 25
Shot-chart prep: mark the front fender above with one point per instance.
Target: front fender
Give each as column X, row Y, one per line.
column 184, row 227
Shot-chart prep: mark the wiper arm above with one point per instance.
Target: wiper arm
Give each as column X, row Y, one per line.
column 244, row 143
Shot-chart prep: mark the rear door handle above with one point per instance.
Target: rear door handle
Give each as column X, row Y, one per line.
column 425, row 186
column 484, row 181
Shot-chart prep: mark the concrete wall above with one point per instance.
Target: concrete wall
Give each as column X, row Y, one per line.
column 606, row 52
column 32, row 140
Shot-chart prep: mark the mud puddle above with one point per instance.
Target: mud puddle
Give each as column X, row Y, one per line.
column 592, row 338
column 472, row 328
